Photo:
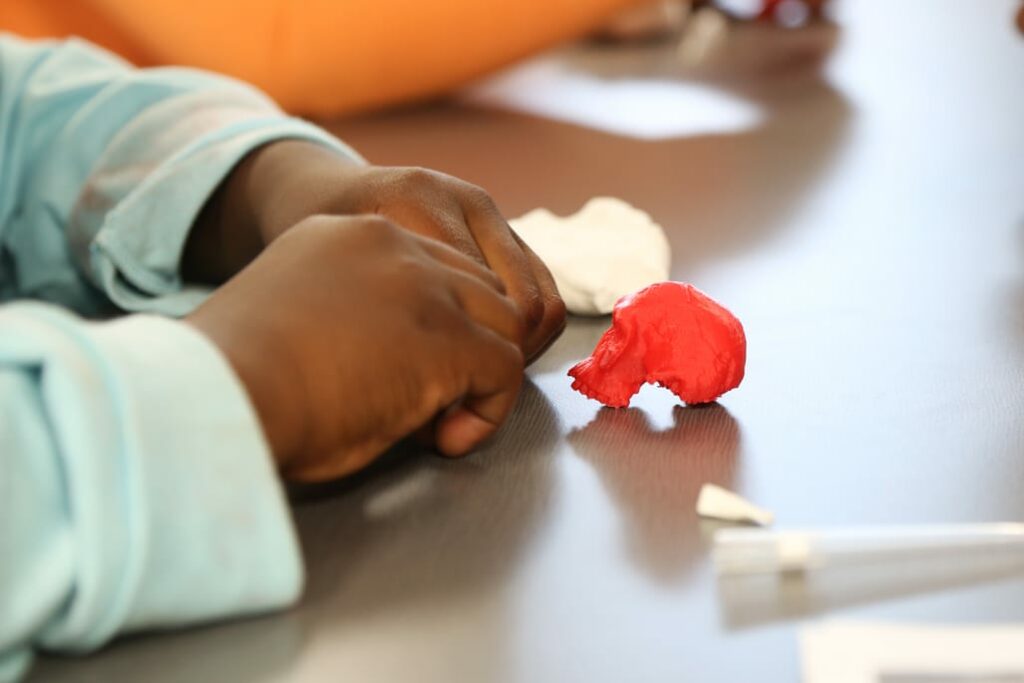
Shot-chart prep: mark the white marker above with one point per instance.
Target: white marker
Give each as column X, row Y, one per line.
column 718, row 503
column 759, row 551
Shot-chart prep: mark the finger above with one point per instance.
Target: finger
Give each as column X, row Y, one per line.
column 487, row 307
column 459, row 261
column 553, row 323
column 505, row 256
column 442, row 222
column 492, row 384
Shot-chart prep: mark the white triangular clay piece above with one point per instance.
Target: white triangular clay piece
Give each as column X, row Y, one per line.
column 602, row 252
column 718, row 503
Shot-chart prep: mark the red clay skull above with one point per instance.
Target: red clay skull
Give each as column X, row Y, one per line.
column 670, row 334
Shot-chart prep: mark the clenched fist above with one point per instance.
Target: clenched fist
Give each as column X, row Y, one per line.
column 350, row 333
column 284, row 183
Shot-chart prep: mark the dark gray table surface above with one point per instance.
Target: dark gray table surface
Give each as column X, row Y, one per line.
column 868, row 230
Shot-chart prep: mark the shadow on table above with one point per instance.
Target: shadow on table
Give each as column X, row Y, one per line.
column 416, row 528
column 425, row 530
column 255, row 649
column 654, row 476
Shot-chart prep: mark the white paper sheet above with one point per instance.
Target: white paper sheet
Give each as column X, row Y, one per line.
column 868, row 652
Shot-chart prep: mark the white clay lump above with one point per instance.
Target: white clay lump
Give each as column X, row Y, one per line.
column 602, row 252
column 718, row 503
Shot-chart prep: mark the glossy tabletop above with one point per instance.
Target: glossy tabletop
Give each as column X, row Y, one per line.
column 865, row 221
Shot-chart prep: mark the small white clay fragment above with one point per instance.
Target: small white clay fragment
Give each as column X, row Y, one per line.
column 718, row 503
column 602, row 252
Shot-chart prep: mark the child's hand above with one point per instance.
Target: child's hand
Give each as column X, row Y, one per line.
column 351, row 333
column 289, row 181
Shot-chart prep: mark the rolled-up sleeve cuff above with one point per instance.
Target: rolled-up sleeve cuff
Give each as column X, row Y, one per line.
column 176, row 509
column 131, row 223
column 220, row 540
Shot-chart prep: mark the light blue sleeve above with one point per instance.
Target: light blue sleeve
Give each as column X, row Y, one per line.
column 136, row 489
column 104, row 168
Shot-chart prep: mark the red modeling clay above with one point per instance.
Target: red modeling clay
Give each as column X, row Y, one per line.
column 670, row 334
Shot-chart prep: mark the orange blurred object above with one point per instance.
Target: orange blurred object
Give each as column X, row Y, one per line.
column 321, row 57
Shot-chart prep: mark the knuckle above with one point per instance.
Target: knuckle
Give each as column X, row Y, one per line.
column 315, row 224
column 434, row 313
column 434, row 394
column 414, row 275
column 557, row 313
column 533, row 309
column 480, row 199
column 377, row 225
column 418, row 178
column 382, row 232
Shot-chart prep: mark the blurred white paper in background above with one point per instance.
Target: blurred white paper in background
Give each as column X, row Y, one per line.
column 645, row 108
column 869, row 652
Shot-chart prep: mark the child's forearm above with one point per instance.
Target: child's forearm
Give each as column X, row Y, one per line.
column 261, row 198
column 106, row 168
